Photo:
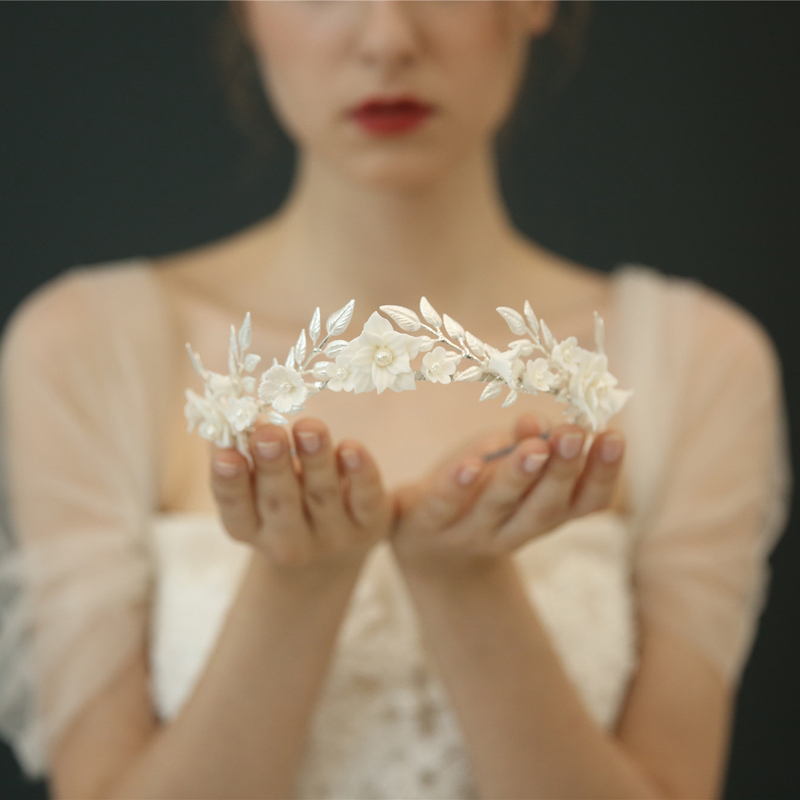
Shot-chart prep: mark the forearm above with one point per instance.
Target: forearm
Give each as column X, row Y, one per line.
column 526, row 729
column 241, row 732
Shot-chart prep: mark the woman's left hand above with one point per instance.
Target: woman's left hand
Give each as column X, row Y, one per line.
column 469, row 511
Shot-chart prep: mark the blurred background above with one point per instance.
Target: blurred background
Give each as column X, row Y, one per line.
column 674, row 145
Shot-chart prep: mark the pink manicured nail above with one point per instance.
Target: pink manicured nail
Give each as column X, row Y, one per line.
column 351, row 459
column 309, row 441
column 533, row 462
column 611, row 449
column 467, row 474
column 570, row 445
column 226, row 469
column 268, row 450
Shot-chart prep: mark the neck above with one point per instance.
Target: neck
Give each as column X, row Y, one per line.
column 349, row 239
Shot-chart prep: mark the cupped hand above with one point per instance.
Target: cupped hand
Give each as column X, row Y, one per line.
column 327, row 505
column 470, row 510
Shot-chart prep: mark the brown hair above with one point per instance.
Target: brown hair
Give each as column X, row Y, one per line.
column 552, row 62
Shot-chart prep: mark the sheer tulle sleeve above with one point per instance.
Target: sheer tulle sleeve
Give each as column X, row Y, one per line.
column 721, row 495
column 81, row 372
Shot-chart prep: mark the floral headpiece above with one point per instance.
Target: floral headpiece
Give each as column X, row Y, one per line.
column 380, row 358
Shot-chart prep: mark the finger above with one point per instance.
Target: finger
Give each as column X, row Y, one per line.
column 321, row 482
column 450, row 494
column 548, row 504
column 232, row 486
column 367, row 503
column 513, row 478
column 595, row 486
column 530, row 425
column 278, row 498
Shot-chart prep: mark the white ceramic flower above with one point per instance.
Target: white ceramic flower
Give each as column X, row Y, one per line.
column 241, row 413
column 215, row 428
column 340, row 374
column 439, row 366
column 219, row 385
column 593, row 388
column 194, row 410
column 564, row 353
column 282, row 387
column 538, row 376
column 506, row 365
column 383, row 356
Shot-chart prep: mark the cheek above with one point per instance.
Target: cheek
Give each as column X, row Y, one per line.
column 484, row 55
column 298, row 46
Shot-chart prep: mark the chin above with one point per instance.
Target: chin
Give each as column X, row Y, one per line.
column 402, row 171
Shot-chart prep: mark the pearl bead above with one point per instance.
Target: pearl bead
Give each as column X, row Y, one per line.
column 341, row 373
column 286, row 387
column 383, row 357
column 435, row 369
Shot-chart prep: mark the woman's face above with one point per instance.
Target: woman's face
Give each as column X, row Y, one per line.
column 320, row 60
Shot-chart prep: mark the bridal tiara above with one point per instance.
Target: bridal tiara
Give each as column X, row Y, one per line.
column 380, row 358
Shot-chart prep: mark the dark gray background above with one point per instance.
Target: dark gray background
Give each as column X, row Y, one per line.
column 676, row 146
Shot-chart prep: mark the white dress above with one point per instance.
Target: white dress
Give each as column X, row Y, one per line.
column 86, row 367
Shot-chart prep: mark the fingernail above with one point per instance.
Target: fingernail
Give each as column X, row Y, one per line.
column 351, row 459
column 467, row 474
column 268, row 450
column 226, row 469
column 570, row 445
column 309, row 441
column 611, row 449
column 533, row 462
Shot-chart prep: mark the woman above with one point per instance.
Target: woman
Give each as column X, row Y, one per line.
column 584, row 624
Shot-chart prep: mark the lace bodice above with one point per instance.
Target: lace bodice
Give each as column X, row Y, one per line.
column 384, row 727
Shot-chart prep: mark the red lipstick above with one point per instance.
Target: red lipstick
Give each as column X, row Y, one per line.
column 383, row 116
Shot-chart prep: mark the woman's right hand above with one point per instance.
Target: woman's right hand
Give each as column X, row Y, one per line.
column 326, row 507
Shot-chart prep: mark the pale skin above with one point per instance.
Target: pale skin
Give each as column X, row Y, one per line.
column 386, row 219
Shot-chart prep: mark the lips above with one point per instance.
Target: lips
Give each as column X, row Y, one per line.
column 389, row 116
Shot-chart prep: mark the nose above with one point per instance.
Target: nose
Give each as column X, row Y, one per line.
column 388, row 37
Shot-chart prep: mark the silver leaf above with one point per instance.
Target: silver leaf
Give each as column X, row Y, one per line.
column 300, row 347
column 335, row 347
column 514, row 319
column 245, row 333
column 429, row 313
column 320, row 370
column 599, row 333
column 453, row 328
column 512, row 398
column 470, row 374
column 233, row 345
column 492, row 390
column 195, row 359
column 425, row 343
column 231, row 361
column 276, row 419
column 403, row 317
column 548, row 337
column 476, row 345
column 290, row 359
column 531, row 317
column 338, row 321
column 521, row 347
column 314, row 327
column 251, row 361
